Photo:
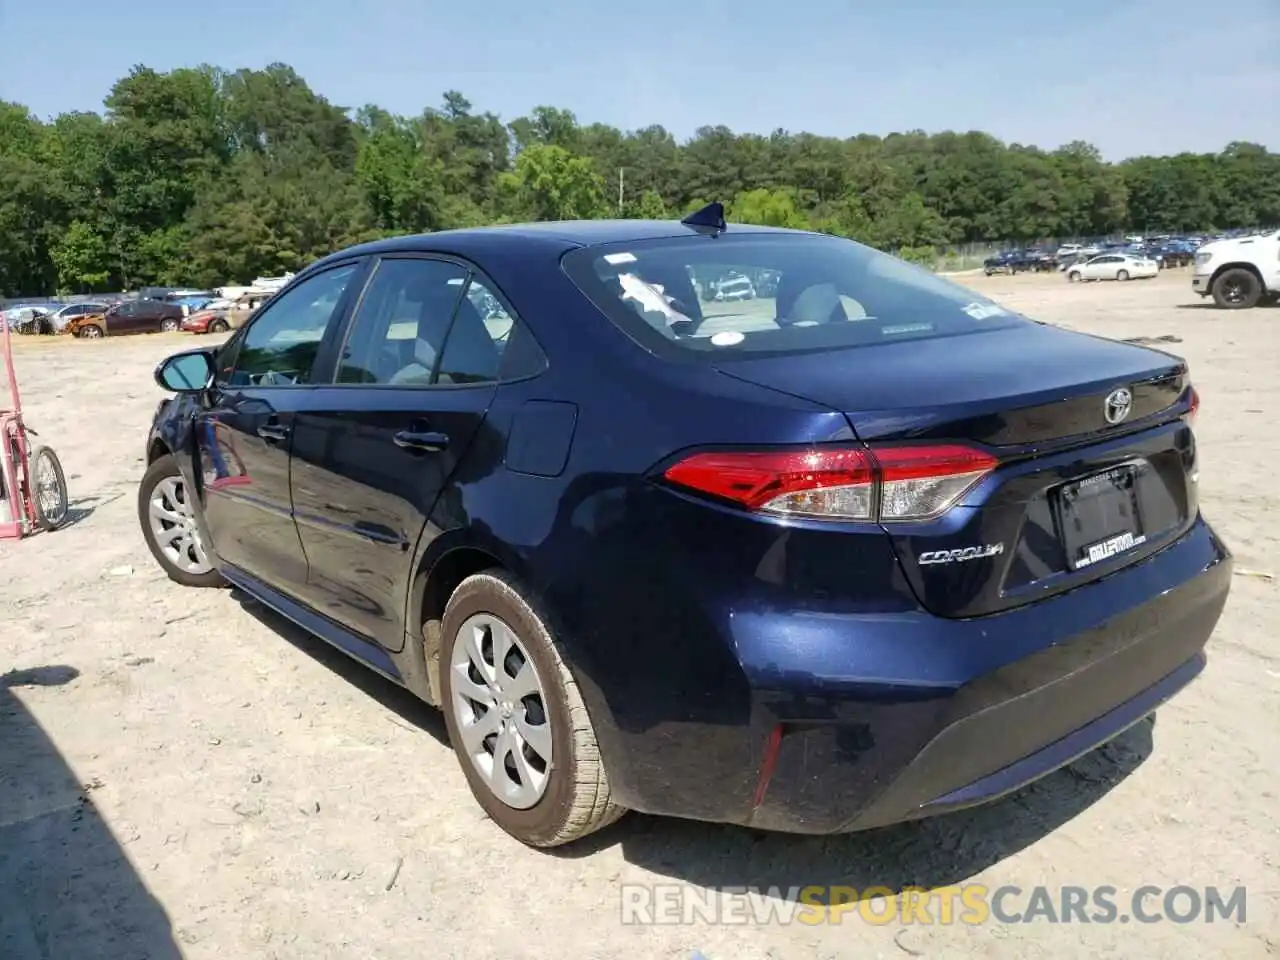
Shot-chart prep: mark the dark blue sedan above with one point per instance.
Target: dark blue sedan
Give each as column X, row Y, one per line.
column 859, row 548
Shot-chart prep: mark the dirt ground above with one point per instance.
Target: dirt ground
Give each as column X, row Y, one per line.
column 182, row 774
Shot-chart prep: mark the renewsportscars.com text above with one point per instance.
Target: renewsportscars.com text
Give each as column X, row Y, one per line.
column 967, row 904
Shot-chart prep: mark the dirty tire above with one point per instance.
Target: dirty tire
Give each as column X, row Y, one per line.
column 52, row 517
column 1236, row 290
column 577, row 800
column 162, row 469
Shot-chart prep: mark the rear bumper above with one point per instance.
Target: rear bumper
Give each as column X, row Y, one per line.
column 899, row 716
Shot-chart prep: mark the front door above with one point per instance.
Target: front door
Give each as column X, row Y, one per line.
column 373, row 451
column 244, row 433
column 124, row 319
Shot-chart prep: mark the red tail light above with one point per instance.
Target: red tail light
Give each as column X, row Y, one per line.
column 1193, row 405
column 890, row 483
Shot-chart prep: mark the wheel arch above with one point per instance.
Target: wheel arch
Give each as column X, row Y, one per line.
column 156, row 449
column 1239, row 265
column 444, row 564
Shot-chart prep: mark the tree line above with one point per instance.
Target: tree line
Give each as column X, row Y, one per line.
column 204, row 176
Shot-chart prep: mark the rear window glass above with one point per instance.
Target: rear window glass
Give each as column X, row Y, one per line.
column 757, row 294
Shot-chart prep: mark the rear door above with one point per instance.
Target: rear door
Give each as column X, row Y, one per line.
column 374, row 450
column 244, row 432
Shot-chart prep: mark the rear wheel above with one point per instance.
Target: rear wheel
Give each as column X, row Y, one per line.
column 1236, row 290
column 516, row 718
column 48, row 489
column 218, row 326
column 1122, row 274
column 168, row 520
column 90, row 331
column 1074, row 276
column 169, row 325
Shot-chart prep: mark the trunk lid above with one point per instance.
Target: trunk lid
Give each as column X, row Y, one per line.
column 1081, row 490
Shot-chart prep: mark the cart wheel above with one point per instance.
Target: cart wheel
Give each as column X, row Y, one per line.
column 48, row 488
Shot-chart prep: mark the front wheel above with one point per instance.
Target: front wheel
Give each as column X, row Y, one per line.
column 516, row 718
column 218, row 326
column 167, row 515
column 49, row 489
column 1073, row 276
column 90, row 331
column 1237, row 290
column 1122, row 275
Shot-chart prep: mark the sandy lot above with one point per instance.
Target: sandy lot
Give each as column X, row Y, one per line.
column 182, row 774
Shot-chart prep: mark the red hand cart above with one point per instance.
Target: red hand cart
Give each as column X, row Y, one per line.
column 33, row 487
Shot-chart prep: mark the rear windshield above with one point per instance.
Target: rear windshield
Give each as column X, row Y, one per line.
column 757, row 294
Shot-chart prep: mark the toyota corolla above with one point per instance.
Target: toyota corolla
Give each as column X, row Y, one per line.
column 865, row 549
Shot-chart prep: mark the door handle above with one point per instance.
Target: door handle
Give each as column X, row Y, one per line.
column 421, row 442
column 273, row 431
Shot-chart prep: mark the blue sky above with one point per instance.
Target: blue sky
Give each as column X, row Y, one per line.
column 1131, row 76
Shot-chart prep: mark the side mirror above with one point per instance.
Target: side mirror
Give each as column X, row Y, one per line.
column 186, row 372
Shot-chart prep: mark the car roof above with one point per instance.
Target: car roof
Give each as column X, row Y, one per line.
column 554, row 237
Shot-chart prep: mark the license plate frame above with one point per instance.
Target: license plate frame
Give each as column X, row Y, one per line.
column 1100, row 516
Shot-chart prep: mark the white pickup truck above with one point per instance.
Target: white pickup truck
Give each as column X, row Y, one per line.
column 1239, row 273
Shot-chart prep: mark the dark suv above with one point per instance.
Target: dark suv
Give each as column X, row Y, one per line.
column 862, row 548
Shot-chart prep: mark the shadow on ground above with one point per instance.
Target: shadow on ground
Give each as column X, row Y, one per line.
column 392, row 696
column 1210, row 305
column 930, row 853
column 67, row 889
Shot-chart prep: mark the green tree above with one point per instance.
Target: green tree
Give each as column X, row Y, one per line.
column 81, row 258
column 550, row 183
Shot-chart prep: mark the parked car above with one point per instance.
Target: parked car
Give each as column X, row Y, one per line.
column 217, row 316
column 1114, row 266
column 734, row 288
column 1239, row 273
column 74, row 311
column 28, row 318
column 817, row 575
column 131, row 316
column 1019, row 261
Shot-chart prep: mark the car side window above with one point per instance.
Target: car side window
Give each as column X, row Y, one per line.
column 279, row 346
column 402, row 322
column 481, row 328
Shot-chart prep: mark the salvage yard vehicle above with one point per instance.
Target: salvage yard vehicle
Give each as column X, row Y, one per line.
column 1114, row 266
column 217, row 316
column 1239, row 273
column 1020, row 261
column 866, row 550
column 130, row 316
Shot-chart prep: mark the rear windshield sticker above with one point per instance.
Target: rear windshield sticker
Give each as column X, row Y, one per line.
column 617, row 258
column 906, row 328
column 727, row 338
column 983, row 311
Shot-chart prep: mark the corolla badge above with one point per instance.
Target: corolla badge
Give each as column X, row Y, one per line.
column 963, row 553
column 1117, row 405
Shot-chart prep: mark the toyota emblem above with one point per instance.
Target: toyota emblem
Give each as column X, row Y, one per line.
column 1117, row 405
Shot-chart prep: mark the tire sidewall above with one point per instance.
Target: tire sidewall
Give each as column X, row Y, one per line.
column 497, row 595
column 1250, row 301
column 47, row 523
